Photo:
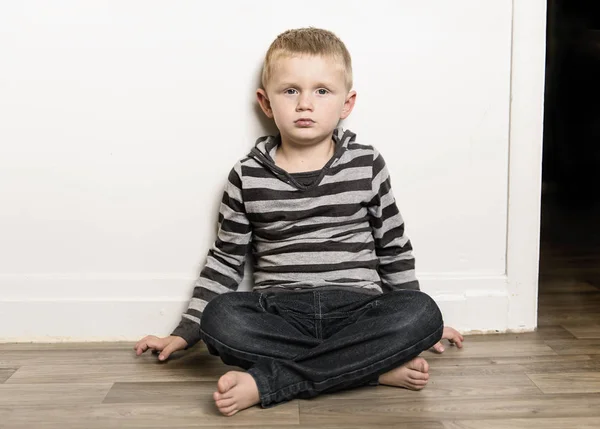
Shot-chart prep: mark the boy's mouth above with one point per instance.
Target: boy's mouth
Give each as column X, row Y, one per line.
column 304, row 122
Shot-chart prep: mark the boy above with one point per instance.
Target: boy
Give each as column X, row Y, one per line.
column 335, row 303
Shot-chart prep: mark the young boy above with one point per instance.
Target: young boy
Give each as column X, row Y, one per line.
column 335, row 303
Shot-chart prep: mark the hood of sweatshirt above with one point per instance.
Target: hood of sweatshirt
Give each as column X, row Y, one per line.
column 264, row 153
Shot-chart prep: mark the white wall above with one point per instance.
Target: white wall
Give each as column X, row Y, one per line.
column 119, row 122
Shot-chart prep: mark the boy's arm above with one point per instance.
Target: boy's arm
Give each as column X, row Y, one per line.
column 393, row 248
column 224, row 268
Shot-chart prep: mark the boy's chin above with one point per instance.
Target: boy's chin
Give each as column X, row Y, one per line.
column 308, row 136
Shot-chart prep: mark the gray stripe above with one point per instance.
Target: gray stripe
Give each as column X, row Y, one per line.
column 384, row 260
column 234, row 237
column 234, row 216
column 354, row 173
column 359, row 274
column 267, row 183
column 316, row 220
column 315, row 258
column 192, row 318
column 234, row 192
column 400, row 277
column 197, row 304
column 299, row 204
column 212, row 286
column 223, row 269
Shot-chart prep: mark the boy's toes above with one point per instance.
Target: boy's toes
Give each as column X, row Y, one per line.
column 226, row 382
column 224, row 403
column 228, row 411
column 417, row 375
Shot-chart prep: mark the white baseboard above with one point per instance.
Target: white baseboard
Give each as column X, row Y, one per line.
column 468, row 303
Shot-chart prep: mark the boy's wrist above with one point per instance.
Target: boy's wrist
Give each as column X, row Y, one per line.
column 189, row 331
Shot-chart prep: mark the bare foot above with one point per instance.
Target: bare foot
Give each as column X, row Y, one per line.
column 236, row 392
column 412, row 375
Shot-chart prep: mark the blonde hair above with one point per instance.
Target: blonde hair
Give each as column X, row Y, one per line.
column 312, row 41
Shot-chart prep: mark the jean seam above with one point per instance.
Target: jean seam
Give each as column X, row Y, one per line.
column 242, row 354
column 320, row 321
column 379, row 363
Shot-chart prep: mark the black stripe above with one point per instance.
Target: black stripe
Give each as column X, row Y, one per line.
column 413, row 285
column 327, row 246
column 352, row 146
column 234, row 179
column 386, row 213
column 232, row 203
column 231, row 226
column 257, row 172
column 324, row 211
column 207, row 294
column 384, row 188
column 359, row 161
column 389, row 236
column 275, row 282
column 320, row 268
column 305, row 229
column 326, row 190
column 231, row 248
column 216, row 276
column 378, row 165
column 195, row 313
column 265, row 173
column 392, row 250
column 237, row 268
column 397, row 267
column 354, row 231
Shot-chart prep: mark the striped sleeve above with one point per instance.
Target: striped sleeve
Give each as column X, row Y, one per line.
column 394, row 250
column 224, row 268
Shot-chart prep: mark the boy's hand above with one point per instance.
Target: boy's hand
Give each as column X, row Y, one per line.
column 451, row 335
column 165, row 345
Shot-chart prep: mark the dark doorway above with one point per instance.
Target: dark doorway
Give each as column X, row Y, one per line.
column 570, row 235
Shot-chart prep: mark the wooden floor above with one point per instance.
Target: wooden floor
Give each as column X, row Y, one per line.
column 546, row 379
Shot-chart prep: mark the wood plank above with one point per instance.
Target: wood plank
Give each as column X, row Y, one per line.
column 448, row 386
column 584, row 331
column 20, row 395
column 575, row 347
column 121, row 345
column 531, row 423
column 183, row 392
column 198, row 359
column 435, row 361
column 6, row 373
column 436, row 371
column 565, row 287
column 497, row 349
column 359, row 411
column 572, row 382
column 560, row 317
column 550, row 332
column 124, row 416
column 562, row 366
column 36, row 374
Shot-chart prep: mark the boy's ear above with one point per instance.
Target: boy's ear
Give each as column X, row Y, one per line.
column 348, row 104
column 263, row 100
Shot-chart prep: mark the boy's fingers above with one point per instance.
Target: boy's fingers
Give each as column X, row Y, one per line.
column 141, row 349
column 166, row 352
column 438, row 347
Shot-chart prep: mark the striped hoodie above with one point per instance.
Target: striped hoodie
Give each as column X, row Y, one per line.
column 343, row 230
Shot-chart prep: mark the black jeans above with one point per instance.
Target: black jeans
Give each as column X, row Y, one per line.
column 301, row 344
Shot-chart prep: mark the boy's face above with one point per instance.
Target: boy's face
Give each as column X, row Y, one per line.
column 306, row 96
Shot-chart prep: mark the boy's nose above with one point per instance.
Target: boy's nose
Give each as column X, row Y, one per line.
column 304, row 103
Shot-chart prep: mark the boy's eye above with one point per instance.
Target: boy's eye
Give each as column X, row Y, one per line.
column 290, row 91
column 322, row 91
